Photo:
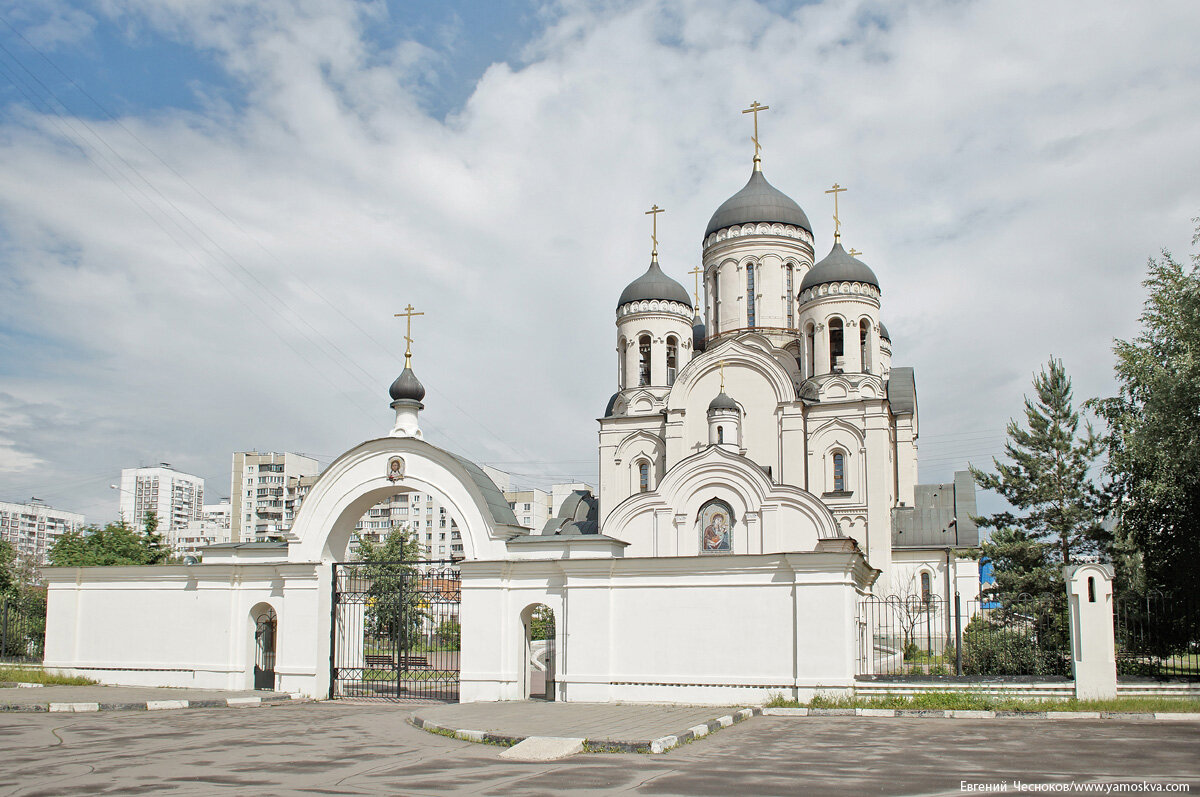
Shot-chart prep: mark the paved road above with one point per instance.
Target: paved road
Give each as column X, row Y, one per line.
column 325, row 748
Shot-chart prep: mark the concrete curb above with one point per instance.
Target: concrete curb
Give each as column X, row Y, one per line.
column 660, row 745
column 963, row 714
column 150, row 705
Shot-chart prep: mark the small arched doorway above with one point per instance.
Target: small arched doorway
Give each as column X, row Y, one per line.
column 266, row 624
column 539, row 652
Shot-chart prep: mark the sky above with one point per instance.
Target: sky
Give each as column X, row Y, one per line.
column 210, row 209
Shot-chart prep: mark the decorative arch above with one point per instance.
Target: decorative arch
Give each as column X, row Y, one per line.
column 358, row 479
column 718, row 473
column 749, row 351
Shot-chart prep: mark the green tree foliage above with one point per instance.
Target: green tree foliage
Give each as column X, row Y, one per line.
column 541, row 625
column 1154, row 429
column 1048, row 481
column 395, row 614
column 7, row 557
column 115, row 544
column 156, row 550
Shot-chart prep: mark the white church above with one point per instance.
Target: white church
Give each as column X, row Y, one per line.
column 757, row 481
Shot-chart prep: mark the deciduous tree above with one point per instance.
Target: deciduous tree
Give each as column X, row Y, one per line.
column 1154, row 429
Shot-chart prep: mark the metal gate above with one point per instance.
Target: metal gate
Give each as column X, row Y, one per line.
column 395, row 633
column 265, row 626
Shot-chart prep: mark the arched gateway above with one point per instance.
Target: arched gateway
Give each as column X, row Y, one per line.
column 392, row 630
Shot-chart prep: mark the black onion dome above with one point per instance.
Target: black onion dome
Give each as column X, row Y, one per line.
column 654, row 284
column 722, row 402
column 699, row 334
column 757, row 201
column 883, row 333
column 407, row 386
column 839, row 266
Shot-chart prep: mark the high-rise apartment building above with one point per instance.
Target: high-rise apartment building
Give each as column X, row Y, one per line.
column 33, row 528
column 177, row 498
column 258, row 493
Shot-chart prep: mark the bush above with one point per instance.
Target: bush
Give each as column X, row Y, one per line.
column 990, row 649
column 450, row 634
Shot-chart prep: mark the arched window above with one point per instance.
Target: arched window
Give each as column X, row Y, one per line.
column 672, row 358
column 839, row 473
column 621, row 346
column 836, row 349
column 864, row 345
column 644, row 361
column 791, row 300
column 643, row 476
column 810, row 350
column 720, row 435
column 716, row 301
column 926, row 587
column 749, row 294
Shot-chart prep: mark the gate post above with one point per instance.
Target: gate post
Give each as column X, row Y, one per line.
column 1093, row 645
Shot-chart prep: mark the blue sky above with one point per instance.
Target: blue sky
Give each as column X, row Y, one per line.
column 208, row 259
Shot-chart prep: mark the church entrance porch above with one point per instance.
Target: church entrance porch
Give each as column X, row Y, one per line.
column 395, row 631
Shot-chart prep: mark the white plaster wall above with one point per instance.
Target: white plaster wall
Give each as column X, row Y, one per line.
column 687, row 629
column 180, row 625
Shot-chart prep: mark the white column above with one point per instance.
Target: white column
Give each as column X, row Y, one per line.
column 1093, row 646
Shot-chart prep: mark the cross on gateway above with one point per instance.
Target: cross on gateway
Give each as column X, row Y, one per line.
column 408, row 316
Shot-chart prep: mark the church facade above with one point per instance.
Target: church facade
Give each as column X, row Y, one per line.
column 772, row 401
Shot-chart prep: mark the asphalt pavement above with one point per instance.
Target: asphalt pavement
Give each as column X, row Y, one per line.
column 344, row 748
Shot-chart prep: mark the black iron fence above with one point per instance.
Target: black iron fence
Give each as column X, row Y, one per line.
column 914, row 636
column 22, row 628
column 1158, row 635
column 395, row 630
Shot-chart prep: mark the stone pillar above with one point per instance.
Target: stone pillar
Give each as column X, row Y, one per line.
column 1093, row 645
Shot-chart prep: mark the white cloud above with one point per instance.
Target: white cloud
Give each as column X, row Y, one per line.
column 1011, row 165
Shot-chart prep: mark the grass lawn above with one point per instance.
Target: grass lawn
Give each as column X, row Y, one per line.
column 38, row 676
column 410, row 675
column 971, row 701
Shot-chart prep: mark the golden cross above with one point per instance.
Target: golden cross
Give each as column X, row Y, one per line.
column 653, row 214
column 837, row 223
column 721, row 365
column 408, row 314
column 696, row 272
column 854, row 252
column 754, row 108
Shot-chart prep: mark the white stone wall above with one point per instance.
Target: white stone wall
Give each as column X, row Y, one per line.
column 713, row 630
column 183, row 625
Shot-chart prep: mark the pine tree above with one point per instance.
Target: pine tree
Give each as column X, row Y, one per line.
column 1047, row 480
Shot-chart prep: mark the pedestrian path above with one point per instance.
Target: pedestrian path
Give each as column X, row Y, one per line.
column 129, row 698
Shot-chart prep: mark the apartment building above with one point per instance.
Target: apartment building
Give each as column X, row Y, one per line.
column 177, row 498
column 212, row 529
column 258, row 492
column 33, row 528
